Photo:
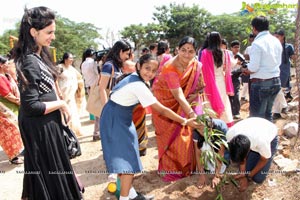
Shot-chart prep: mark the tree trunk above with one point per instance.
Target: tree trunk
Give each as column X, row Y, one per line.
column 297, row 63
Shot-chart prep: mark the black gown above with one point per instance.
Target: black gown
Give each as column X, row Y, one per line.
column 48, row 174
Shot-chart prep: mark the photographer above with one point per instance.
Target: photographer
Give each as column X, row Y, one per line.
column 99, row 57
column 91, row 76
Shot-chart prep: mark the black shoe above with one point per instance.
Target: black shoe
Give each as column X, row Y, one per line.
column 139, row 197
column 16, row 161
column 96, row 137
column 288, row 97
column 143, row 152
column 276, row 116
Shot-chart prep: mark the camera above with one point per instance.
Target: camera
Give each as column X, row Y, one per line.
column 242, row 59
column 99, row 54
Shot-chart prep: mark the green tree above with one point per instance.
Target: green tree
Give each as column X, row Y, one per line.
column 5, row 41
column 179, row 20
column 231, row 26
column 141, row 35
column 135, row 33
column 284, row 19
column 172, row 23
column 74, row 37
column 70, row 37
column 280, row 18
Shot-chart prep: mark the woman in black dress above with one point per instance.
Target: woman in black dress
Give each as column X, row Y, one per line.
column 48, row 174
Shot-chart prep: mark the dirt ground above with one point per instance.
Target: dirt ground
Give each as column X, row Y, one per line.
column 90, row 167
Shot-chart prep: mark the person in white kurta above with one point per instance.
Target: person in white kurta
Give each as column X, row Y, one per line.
column 68, row 85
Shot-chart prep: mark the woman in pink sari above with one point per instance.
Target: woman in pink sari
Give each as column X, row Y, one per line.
column 177, row 87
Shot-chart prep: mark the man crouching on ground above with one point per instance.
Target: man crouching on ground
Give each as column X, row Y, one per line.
column 252, row 144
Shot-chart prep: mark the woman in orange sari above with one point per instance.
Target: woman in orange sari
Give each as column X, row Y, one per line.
column 178, row 87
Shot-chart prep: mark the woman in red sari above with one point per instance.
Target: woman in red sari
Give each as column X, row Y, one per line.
column 178, row 87
column 10, row 138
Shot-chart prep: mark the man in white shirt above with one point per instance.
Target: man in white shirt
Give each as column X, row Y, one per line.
column 265, row 59
column 90, row 75
column 253, row 148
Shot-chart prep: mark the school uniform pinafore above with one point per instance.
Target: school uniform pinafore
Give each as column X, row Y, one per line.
column 118, row 135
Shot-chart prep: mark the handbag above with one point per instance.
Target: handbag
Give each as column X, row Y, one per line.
column 71, row 141
column 94, row 105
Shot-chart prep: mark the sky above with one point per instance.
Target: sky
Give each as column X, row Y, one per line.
column 111, row 15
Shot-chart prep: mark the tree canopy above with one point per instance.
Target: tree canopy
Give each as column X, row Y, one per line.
column 70, row 37
column 170, row 22
column 175, row 21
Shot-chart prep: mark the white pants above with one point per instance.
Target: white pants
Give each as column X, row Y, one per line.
column 245, row 91
column 279, row 103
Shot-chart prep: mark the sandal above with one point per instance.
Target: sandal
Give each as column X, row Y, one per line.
column 16, row 161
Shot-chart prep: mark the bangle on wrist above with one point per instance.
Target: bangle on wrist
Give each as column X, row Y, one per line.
column 191, row 112
column 184, row 122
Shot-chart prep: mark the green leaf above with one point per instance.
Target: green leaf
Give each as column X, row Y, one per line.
column 235, row 183
column 205, row 134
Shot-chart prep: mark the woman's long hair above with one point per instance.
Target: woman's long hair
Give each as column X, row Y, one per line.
column 162, row 47
column 213, row 43
column 38, row 18
column 284, row 56
column 114, row 53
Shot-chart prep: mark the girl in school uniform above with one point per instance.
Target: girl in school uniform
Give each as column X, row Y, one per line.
column 118, row 133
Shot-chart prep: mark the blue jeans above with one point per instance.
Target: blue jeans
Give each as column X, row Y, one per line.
column 262, row 96
column 253, row 158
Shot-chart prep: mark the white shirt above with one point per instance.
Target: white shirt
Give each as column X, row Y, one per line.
column 233, row 61
column 247, row 50
column 89, row 72
column 133, row 93
column 260, row 132
column 265, row 56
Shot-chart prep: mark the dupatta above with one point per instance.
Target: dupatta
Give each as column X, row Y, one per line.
column 211, row 89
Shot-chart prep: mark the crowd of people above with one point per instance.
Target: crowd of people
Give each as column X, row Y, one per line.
column 177, row 88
